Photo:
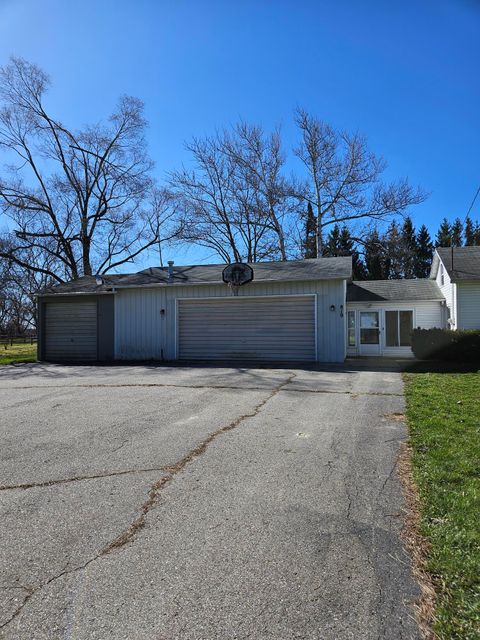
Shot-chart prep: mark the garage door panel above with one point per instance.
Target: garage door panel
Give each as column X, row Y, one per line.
column 273, row 328
column 71, row 331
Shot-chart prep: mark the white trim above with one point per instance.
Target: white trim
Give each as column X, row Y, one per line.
column 175, row 328
column 263, row 295
column 75, row 293
column 275, row 295
column 215, row 283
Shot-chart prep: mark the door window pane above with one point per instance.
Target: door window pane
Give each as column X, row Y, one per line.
column 369, row 319
column 406, row 327
column 391, row 328
column 369, row 322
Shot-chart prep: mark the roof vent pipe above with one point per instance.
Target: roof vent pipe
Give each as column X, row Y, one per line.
column 170, row 270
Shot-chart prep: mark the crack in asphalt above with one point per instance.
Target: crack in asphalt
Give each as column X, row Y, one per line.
column 354, row 394
column 389, row 476
column 278, row 389
column 133, row 529
column 51, row 483
column 176, row 468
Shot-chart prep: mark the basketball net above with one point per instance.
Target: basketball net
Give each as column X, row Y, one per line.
column 234, row 288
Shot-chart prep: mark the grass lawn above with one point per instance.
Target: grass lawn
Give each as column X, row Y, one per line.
column 18, row 353
column 443, row 413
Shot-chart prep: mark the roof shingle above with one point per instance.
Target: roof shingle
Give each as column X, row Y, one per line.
column 463, row 263
column 312, row 269
column 393, row 290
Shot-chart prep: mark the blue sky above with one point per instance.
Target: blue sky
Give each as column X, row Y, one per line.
column 405, row 73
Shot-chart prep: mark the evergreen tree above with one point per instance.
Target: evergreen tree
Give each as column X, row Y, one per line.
column 331, row 247
column 374, row 257
column 347, row 248
column 457, row 233
column 444, row 234
column 395, row 252
column 309, row 241
column 409, row 248
column 424, row 253
column 471, row 232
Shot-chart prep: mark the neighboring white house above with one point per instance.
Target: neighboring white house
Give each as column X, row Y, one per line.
column 299, row 310
column 456, row 270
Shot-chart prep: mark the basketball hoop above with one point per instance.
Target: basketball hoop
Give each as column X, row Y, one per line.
column 236, row 275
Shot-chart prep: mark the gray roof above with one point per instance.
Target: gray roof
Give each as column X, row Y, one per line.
column 393, row 290
column 311, row 269
column 465, row 264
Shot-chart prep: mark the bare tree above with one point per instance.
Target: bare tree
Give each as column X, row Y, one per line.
column 235, row 199
column 83, row 198
column 207, row 198
column 345, row 178
column 260, row 162
column 17, row 290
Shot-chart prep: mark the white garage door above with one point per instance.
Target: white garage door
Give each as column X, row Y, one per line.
column 270, row 328
column 71, row 331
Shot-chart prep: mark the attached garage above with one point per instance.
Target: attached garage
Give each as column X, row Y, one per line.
column 76, row 328
column 286, row 311
column 248, row 328
column 71, row 331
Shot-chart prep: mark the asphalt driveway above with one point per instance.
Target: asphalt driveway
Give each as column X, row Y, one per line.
column 144, row 503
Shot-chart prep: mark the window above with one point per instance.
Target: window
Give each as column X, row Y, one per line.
column 442, row 276
column 351, row 329
column 369, row 327
column 398, row 328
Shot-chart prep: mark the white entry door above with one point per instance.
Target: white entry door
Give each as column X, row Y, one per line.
column 369, row 333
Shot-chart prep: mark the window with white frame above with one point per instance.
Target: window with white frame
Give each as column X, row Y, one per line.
column 351, row 329
column 398, row 328
column 442, row 275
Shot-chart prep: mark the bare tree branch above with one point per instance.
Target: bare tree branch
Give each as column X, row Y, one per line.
column 82, row 197
column 345, row 179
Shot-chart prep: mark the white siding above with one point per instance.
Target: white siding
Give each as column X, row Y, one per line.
column 142, row 332
column 427, row 314
column 468, row 305
column 448, row 289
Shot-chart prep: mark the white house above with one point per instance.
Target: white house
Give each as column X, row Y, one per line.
column 299, row 310
column 456, row 270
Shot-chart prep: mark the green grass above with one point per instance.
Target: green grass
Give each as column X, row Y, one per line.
column 18, row 353
column 443, row 413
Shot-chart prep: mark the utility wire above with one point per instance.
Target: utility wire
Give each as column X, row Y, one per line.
column 473, row 202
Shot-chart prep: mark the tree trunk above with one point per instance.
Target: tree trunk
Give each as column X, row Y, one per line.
column 318, row 235
column 280, row 234
column 87, row 267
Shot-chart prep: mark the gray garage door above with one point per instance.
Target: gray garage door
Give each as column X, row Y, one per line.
column 273, row 328
column 71, row 331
